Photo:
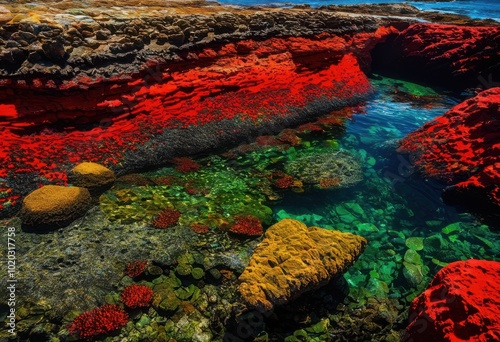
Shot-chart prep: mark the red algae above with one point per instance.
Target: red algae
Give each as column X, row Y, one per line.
column 101, row 320
column 461, row 304
column 136, row 296
column 462, row 147
column 99, row 120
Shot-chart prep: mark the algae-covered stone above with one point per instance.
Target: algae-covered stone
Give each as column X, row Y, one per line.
column 54, row 206
column 166, row 302
column 415, row 243
column 197, row 273
column 92, row 176
column 292, row 259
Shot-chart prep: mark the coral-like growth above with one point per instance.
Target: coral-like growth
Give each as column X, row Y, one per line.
column 136, row 268
column 101, row 320
column 200, row 228
column 247, row 226
column 167, row 218
column 185, row 164
column 312, row 168
column 136, row 296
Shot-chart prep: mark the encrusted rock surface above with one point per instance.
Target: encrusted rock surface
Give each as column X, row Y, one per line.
column 449, row 55
column 462, row 147
column 461, row 304
column 53, row 206
column 293, row 259
column 92, row 176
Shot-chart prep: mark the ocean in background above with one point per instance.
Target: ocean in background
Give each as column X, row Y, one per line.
column 480, row 9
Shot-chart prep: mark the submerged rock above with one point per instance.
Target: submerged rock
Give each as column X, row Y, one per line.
column 337, row 169
column 54, row 206
column 293, row 259
column 461, row 303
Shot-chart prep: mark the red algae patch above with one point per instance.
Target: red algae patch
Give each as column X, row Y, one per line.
column 462, row 147
column 462, row 303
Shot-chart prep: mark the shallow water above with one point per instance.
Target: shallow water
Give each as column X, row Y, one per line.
column 480, row 9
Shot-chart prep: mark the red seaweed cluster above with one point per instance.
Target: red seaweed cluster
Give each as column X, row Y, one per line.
column 101, row 320
column 136, row 268
column 185, row 164
column 167, row 218
column 247, row 226
column 136, row 296
column 200, row 228
column 284, row 182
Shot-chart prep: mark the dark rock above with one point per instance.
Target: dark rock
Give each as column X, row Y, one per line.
column 103, row 34
column 54, row 50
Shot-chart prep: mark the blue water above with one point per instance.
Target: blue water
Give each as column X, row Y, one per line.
column 479, row 9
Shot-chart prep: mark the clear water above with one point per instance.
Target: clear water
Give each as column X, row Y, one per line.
column 480, row 9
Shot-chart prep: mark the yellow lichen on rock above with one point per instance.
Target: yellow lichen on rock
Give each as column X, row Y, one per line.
column 293, row 259
column 91, row 175
column 53, row 206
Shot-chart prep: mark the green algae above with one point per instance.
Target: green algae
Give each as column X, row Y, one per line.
column 212, row 196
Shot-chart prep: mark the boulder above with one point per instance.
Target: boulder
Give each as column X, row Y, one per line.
column 92, row 176
column 462, row 303
column 293, row 259
column 462, row 147
column 54, row 206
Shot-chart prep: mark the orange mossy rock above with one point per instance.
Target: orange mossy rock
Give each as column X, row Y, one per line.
column 54, row 206
column 92, row 176
column 293, row 259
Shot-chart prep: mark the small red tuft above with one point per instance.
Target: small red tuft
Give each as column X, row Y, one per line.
column 185, row 164
column 101, row 320
column 200, row 228
column 247, row 226
column 136, row 296
column 167, row 218
column 284, row 182
column 136, row 268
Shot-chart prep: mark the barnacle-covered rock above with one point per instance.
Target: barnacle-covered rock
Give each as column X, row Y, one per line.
column 339, row 169
column 293, row 259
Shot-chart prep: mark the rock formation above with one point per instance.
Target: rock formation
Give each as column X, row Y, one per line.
column 461, row 304
column 448, row 55
column 293, row 259
column 462, row 147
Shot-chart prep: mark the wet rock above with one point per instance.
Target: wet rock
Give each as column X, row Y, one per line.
column 5, row 15
column 293, row 259
column 461, row 303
